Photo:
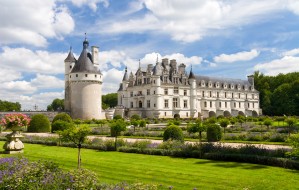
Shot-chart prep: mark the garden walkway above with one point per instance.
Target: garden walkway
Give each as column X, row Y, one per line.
column 267, row 146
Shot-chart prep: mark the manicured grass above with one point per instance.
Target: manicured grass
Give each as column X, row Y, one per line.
column 113, row 167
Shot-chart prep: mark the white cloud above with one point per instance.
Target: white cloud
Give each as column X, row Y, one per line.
column 26, row 60
column 284, row 65
column 47, row 82
column 111, row 81
column 9, row 75
column 22, row 87
column 240, row 56
column 92, row 4
column 33, row 21
column 291, row 52
column 189, row 22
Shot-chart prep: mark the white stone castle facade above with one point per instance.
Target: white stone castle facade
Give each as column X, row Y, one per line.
column 83, row 84
column 166, row 90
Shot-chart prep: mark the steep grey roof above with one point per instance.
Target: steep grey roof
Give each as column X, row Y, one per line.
column 70, row 57
column 199, row 78
column 84, row 63
column 120, row 87
column 191, row 75
column 126, row 78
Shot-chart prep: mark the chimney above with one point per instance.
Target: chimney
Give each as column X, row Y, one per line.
column 95, row 54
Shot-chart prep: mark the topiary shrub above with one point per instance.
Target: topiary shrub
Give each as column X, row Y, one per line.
column 214, row 133
column 173, row 132
column 116, row 117
column 63, row 117
column 39, row 124
column 60, row 125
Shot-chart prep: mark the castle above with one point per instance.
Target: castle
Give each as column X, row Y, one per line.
column 83, row 84
column 166, row 91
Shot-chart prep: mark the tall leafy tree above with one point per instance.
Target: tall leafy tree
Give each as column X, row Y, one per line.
column 56, row 105
column 109, row 100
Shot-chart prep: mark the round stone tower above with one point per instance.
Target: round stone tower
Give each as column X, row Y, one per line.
column 84, row 95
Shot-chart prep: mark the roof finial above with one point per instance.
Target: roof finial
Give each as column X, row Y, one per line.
column 85, row 36
column 191, row 67
column 71, row 48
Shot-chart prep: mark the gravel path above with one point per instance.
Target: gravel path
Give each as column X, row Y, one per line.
column 267, row 146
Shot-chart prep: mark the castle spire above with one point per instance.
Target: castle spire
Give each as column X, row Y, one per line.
column 191, row 75
column 85, row 42
column 125, row 78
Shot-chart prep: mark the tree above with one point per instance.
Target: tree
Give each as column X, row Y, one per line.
column 135, row 123
column 197, row 127
column 109, row 100
column 291, row 121
column 240, row 119
column 9, row 106
column 268, row 123
column 135, row 117
column 76, row 135
column 224, row 123
column 56, row 105
column 116, row 127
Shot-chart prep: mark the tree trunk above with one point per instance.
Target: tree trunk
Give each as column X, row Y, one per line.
column 115, row 145
column 79, row 156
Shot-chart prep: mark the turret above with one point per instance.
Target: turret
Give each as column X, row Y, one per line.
column 125, row 81
column 192, row 82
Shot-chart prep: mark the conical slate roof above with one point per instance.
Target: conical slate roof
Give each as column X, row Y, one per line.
column 85, row 63
column 126, row 78
column 70, row 57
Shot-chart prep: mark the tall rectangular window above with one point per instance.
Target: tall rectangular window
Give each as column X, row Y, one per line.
column 239, row 104
column 210, row 104
column 176, row 90
column 148, row 102
column 225, row 94
column 210, row 93
column 219, row 104
column 166, row 103
column 185, row 103
column 166, row 91
column 217, row 94
column 205, row 104
column 185, row 92
column 131, row 104
column 175, row 103
column 148, row 92
column 203, row 93
column 131, row 94
column 225, row 104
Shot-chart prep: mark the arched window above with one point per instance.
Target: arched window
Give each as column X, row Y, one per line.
column 140, row 104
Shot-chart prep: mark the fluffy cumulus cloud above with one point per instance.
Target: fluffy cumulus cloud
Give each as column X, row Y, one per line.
column 111, row 81
column 26, row 60
column 188, row 22
column 240, row 56
column 33, row 21
column 284, row 65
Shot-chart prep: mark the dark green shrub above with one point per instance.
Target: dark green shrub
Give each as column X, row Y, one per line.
column 135, row 117
column 116, row 117
column 176, row 116
column 142, row 123
column 60, row 125
column 39, row 124
column 214, row 133
column 173, row 132
column 63, row 117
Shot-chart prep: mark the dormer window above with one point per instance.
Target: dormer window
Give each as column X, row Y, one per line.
column 232, row 86
column 239, row 87
column 225, row 85
column 202, row 83
column 210, row 84
column 245, row 87
column 217, row 85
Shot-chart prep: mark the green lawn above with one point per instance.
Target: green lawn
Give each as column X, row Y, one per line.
column 180, row 173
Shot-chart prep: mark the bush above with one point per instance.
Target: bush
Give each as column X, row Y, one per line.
column 214, row 133
column 142, row 123
column 135, row 117
column 39, row 124
column 116, row 117
column 60, row 125
column 173, row 132
column 63, row 117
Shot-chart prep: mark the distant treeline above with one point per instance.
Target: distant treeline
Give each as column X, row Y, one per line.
column 9, row 106
column 279, row 95
column 109, row 100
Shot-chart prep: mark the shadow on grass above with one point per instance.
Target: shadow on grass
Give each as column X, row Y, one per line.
column 241, row 165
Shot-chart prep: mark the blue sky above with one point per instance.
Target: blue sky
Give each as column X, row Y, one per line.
column 223, row 38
